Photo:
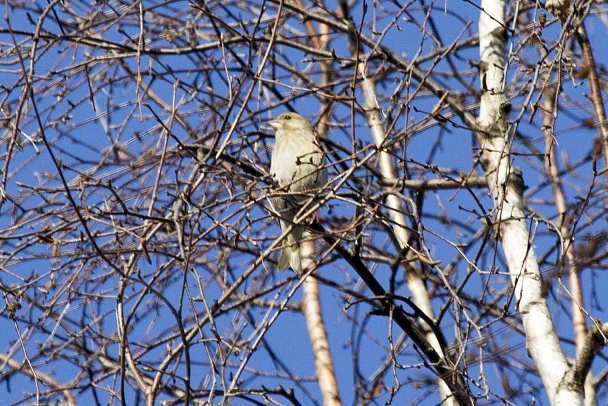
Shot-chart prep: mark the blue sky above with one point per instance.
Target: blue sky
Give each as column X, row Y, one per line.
column 105, row 130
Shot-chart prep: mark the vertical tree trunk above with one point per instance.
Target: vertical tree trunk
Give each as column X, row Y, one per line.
column 506, row 187
column 311, row 308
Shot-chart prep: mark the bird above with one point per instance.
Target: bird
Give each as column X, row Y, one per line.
column 298, row 165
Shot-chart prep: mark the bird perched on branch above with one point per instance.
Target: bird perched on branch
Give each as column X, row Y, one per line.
column 298, row 166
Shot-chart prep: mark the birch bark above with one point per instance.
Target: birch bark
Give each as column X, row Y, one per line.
column 505, row 184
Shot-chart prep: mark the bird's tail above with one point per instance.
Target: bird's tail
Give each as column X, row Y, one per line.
column 290, row 254
column 290, row 257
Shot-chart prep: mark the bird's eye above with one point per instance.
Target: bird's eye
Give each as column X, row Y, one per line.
column 287, row 117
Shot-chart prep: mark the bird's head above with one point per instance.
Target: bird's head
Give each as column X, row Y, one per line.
column 290, row 121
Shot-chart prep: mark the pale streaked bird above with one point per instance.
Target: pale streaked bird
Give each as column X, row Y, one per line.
column 298, row 164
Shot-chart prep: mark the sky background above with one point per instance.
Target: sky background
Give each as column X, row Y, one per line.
column 108, row 135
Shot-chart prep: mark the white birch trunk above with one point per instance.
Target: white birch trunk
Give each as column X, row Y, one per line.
column 311, row 307
column 414, row 282
column 505, row 184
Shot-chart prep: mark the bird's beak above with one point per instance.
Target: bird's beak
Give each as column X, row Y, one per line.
column 276, row 124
